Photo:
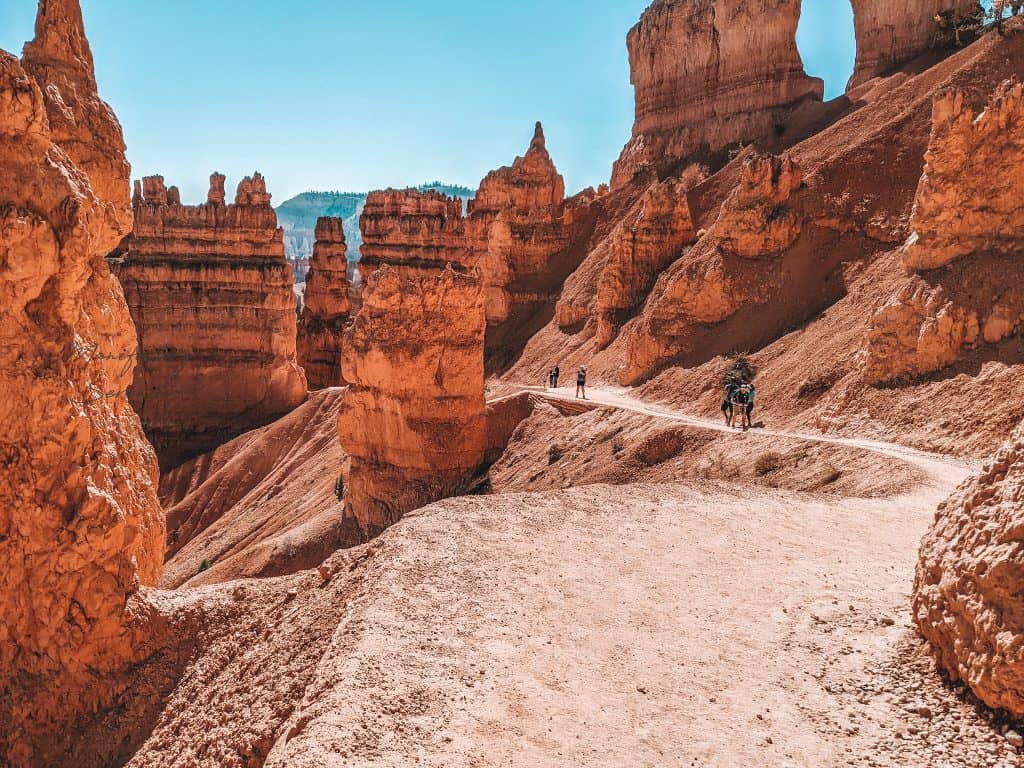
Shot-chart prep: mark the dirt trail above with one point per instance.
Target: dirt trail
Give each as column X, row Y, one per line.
column 946, row 472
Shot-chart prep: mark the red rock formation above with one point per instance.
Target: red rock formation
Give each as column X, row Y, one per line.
column 709, row 74
column 80, row 525
column 211, row 294
column 892, row 32
column 327, row 306
column 517, row 226
column 414, row 420
column 715, row 278
column 421, row 230
column 641, row 247
column 967, row 219
column 967, row 590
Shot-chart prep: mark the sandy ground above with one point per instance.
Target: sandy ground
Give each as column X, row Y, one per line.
column 646, row 625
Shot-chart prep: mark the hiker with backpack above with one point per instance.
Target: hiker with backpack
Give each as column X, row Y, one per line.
column 581, row 382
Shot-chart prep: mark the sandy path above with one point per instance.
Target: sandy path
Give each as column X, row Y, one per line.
column 650, row 625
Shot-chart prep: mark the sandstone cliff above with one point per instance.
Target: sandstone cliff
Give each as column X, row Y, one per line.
column 211, row 295
column 967, row 589
column 414, row 419
column 964, row 286
column 80, row 525
column 892, row 32
column 710, row 74
column 327, row 306
column 516, row 227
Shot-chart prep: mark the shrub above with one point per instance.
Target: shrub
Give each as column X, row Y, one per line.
column 555, row 452
column 740, row 371
column 768, row 462
column 203, row 566
column 339, row 488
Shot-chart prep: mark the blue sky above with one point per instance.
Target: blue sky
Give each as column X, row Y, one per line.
column 364, row 94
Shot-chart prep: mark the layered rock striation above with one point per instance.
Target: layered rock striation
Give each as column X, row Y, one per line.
column 517, row 227
column 708, row 75
column 212, row 298
column 414, row 418
column 892, row 32
column 964, row 284
column 967, row 589
column 327, row 306
column 736, row 265
column 80, row 525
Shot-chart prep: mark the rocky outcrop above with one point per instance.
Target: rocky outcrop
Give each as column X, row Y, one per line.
column 735, row 264
column 967, row 590
column 641, row 246
column 327, row 307
column 966, row 220
column 414, row 418
column 970, row 199
column 80, row 525
column 423, row 231
column 892, row 32
column 708, row 75
column 516, row 227
column 211, row 295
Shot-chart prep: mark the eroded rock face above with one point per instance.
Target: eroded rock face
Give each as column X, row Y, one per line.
column 716, row 277
column 414, row 418
column 515, row 225
column 423, row 231
column 967, row 220
column 641, row 247
column 327, row 307
column 80, row 525
column 892, row 32
column 959, row 210
column 709, row 74
column 967, row 589
column 211, row 294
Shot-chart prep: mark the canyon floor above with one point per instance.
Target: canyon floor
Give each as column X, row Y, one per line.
column 694, row 623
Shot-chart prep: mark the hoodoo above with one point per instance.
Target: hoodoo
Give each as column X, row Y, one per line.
column 211, row 294
column 710, row 74
column 515, row 225
column 414, row 417
column 80, row 525
column 892, row 32
column 327, row 306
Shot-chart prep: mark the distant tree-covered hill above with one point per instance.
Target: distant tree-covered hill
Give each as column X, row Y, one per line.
column 298, row 216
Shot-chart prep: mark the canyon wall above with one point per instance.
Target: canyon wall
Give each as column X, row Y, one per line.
column 414, row 416
column 212, row 297
column 967, row 589
column 80, row 525
column 892, row 32
column 964, row 284
column 327, row 306
column 710, row 74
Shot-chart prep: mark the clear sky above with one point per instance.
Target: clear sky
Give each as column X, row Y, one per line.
column 363, row 94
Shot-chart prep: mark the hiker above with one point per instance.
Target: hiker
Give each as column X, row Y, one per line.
column 741, row 400
column 750, row 404
column 730, row 392
column 555, row 373
column 551, row 377
column 581, row 382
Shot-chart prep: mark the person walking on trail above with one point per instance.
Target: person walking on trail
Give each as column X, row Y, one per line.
column 740, row 400
column 555, row 373
column 551, row 378
column 750, row 404
column 581, row 382
column 730, row 395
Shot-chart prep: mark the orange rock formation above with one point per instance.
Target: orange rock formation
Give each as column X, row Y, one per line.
column 892, row 32
column 211, row 295
column 967, row 589
column 709, row 74
column 966, row 220
column 327, row 307
column 80, row 525
column 516, row 225
column 414, row 419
